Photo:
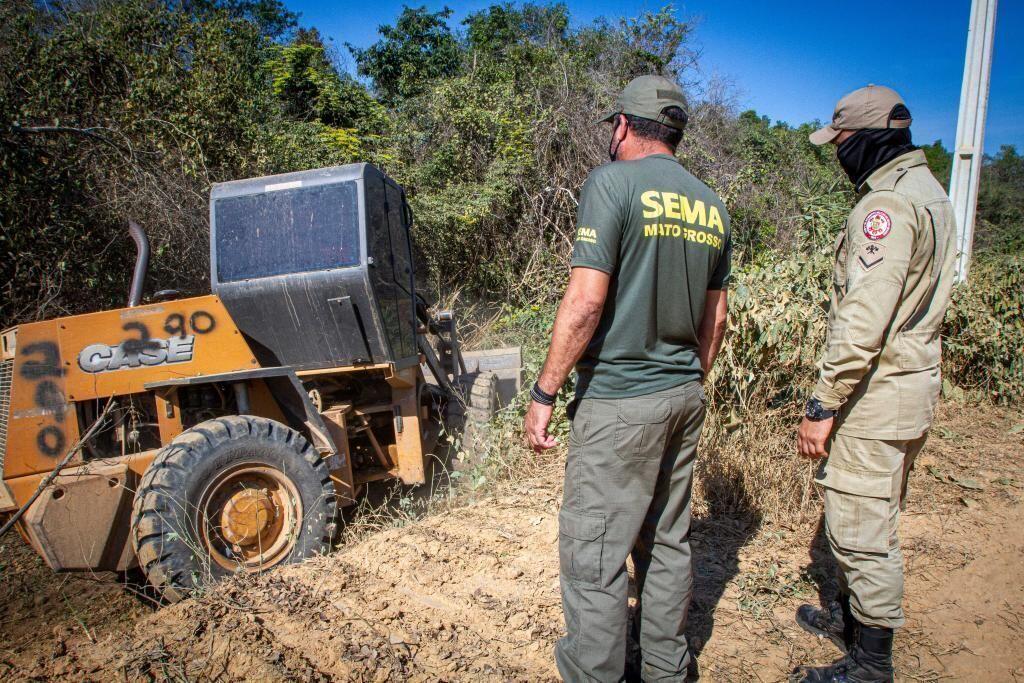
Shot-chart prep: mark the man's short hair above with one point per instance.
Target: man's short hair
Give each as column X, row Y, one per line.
column 659, row 132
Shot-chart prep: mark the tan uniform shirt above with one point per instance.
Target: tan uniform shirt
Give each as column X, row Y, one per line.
column 894, row 269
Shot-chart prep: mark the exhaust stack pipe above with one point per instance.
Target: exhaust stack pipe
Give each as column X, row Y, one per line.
column 141, row 263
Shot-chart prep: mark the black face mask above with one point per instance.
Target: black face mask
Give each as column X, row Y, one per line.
column 868, row 149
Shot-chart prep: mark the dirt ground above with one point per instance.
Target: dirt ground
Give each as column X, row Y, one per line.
column 471, row 593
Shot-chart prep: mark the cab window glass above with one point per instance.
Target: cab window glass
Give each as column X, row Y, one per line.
column 287, row 231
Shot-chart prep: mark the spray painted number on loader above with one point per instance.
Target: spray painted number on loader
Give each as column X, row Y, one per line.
column 145, row 351
column 199, row 322
column 42, row 365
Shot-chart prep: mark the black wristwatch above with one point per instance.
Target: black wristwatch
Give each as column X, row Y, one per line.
column 815, row 411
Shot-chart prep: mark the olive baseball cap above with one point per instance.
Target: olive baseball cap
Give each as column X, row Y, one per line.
column 873, row 106
column 647, row 97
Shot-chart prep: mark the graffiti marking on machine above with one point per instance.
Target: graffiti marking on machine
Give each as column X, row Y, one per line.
column 132, row 354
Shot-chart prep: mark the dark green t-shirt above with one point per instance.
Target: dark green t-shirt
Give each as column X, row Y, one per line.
column 663, row 236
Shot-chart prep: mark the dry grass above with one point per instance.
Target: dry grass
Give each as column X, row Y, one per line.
column 391, row 504
column 748, row 465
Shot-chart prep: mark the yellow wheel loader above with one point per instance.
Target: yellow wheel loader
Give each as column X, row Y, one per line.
column 195, row 437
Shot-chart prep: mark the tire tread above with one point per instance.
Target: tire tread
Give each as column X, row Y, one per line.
column 166, row 560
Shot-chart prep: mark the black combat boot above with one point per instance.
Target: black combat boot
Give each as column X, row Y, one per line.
column 835, row 622
column 869, row 661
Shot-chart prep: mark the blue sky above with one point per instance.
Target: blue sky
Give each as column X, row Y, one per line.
column 792, row 60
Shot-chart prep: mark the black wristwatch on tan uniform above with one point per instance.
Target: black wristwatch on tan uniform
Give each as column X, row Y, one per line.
column 815, row 411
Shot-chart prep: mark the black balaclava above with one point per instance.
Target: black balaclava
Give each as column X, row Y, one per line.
column 868, row 149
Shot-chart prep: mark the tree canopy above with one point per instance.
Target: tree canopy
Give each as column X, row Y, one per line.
column 417, row 49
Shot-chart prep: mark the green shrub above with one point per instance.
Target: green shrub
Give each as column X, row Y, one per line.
column 777, row 325
column 983, row 338
column 778, row 310
column 776, row 328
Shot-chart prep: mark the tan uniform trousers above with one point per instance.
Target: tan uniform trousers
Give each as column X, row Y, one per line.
column 865, row 486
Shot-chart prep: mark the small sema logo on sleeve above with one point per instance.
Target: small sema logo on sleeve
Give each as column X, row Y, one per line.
column 585, row 234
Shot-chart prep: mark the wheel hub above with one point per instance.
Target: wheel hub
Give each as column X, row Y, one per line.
column 247, row 515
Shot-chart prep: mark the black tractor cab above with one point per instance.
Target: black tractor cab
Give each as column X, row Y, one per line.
column 316, row 267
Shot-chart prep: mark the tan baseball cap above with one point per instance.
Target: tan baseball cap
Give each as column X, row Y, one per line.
column 873, row 106
column 647, row 97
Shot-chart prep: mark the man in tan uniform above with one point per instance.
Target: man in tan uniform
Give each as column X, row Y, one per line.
column 879, row 376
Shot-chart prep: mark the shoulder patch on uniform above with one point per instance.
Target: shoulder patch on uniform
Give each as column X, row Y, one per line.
column 877, row 225
column 870, row 255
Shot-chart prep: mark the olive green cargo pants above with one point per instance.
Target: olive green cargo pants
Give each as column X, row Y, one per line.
column 627, row 491
column 865, row 485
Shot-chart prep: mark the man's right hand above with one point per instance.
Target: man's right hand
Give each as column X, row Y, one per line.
column 536, row 423
column 813, row 436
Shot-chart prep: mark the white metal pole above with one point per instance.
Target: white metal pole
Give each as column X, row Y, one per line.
column 970, row 128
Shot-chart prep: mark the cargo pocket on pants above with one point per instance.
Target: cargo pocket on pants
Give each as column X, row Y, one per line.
column 580, row 546
column 857, row 509
column 640, row 428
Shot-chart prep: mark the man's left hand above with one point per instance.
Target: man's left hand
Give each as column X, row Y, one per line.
column 537, row 418
column 812, row 436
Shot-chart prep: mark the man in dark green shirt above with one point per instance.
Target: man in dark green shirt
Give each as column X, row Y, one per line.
column 642, row 319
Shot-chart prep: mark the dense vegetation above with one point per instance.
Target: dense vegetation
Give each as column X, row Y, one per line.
column 111, row 109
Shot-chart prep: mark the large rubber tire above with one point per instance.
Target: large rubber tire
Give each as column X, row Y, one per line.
column 480, row 391
column 481, row 396
column 173, row 537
